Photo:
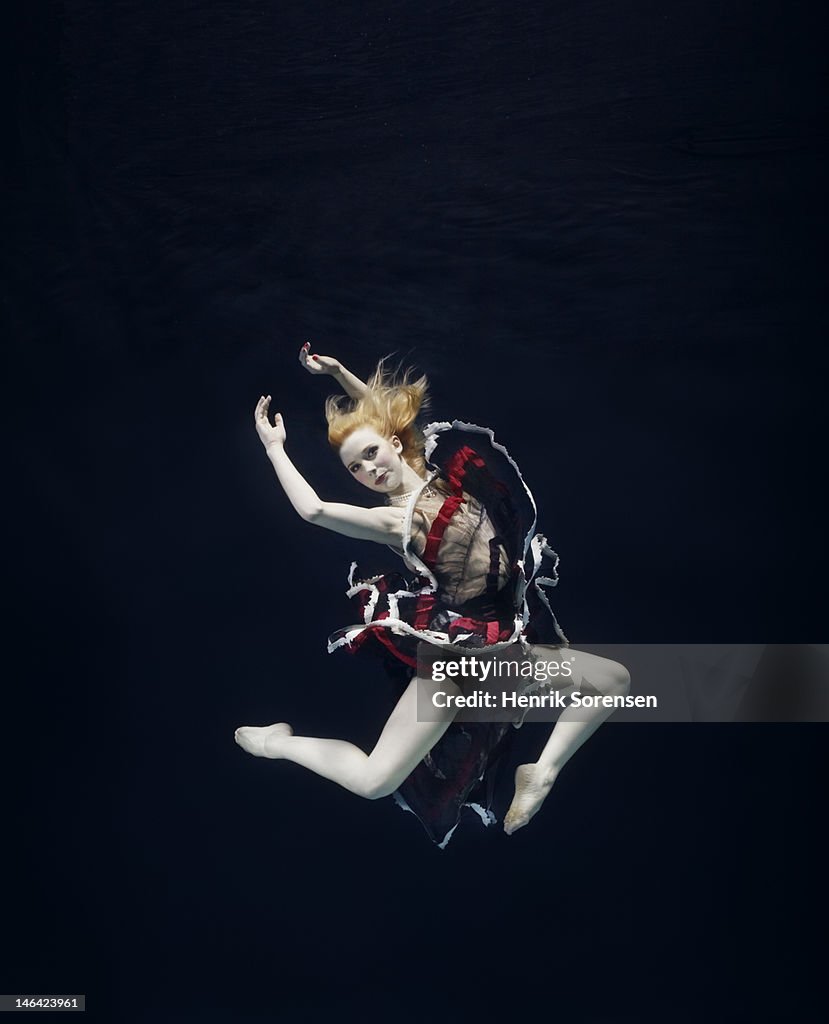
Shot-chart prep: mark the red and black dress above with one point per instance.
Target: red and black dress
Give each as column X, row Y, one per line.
column 473, row 556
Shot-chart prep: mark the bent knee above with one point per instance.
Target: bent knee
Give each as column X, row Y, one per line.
column 619, row 678
column 375, row 787
column 612, row 680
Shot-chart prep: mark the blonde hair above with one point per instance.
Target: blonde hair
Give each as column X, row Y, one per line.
column 390, row 405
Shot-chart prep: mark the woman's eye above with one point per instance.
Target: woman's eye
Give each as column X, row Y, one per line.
column 372, row 451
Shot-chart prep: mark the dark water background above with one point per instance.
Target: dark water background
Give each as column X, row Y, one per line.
column 600, row 229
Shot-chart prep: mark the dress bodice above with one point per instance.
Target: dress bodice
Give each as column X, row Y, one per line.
column 467, row 551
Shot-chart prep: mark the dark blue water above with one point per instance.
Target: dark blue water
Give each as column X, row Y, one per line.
column 600, row 231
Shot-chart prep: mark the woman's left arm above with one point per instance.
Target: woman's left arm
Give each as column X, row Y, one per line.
column 351, row 385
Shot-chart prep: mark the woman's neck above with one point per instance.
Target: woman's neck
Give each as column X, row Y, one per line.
column 410, row 480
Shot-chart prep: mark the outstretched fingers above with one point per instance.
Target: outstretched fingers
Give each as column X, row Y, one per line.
column 261, row 411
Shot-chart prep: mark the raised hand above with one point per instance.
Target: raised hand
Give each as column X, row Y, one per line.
column 268, row 434
column 317, row 364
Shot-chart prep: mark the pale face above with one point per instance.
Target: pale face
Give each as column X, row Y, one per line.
column 374, row 460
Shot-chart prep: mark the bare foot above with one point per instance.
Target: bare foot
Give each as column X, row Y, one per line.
column 531, row 788
column 262, row 742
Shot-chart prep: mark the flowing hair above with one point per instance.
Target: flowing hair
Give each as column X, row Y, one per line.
column 390, row 405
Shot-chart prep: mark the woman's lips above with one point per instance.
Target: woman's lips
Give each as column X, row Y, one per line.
column 381, row 479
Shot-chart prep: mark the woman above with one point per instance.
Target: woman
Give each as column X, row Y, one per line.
column 466, row 529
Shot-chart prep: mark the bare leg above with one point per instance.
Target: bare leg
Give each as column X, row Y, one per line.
column 403, row 743
column 534, row 781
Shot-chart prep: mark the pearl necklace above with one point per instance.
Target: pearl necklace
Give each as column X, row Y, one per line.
column 403, row 499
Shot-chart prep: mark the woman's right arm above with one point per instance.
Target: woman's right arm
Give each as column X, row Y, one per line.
column 383, row 524
column 300, row 493
column 351, row 385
